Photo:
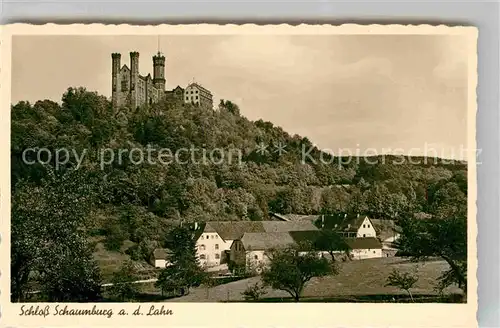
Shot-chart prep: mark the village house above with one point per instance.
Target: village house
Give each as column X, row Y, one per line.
column 359, row 226
column 252, row 250
column 364, row 248
column 161, row 258
column 214, row 238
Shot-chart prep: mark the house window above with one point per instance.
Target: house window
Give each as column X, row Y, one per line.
column 212, row 236
column 364, row 235
column 187, row 98
column 217, row 256
column 256, row 257
column 202, row 256
column 196, row 97
column 202, row 247
column 373, row 252
column 368, row 226
column 216, row 236
column 364, row 225
column 216, row 246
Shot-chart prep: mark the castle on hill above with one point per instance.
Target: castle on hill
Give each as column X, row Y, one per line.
column 130, row 89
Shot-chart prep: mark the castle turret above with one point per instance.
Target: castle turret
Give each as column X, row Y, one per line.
column 159, row 72
column 115, row 78
column 134, row 77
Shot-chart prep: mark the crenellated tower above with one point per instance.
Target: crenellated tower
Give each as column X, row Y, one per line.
column 115, row 78
column 134, row 79
column 159, row 72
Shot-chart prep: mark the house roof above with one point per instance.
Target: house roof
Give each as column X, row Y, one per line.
column 364, row 243
column 280, row 226
column 161, row 254
column 260, row 241
column 295, row 217
column 305, row 236
column 230, row 230
column 342, row 223
column 197, row 85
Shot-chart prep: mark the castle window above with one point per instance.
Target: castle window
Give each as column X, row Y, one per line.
column 196, row 91
column 187, row 98
column 256, row 257
column 202, row 256
column 364, row 225
column 196, row 97
column 124, row 85
column 217, row 256
column 216, row 246
column 368, row 226
column 202, row 247
column 364, row 235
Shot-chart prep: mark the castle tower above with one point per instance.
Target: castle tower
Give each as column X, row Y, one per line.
column 134, row 77
column 115, row 78
column 159, row 72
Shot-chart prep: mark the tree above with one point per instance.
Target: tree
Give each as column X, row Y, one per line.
column 73, row 276
column 405, row 281
column 171, row 281
column 48, row 240
column 290, row 271
column 123, row 286
column 444, row 238
column 331, row 242
column 185, row 271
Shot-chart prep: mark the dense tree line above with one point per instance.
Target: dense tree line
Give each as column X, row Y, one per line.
column 121, row 201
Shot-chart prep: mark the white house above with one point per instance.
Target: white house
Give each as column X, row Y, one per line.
column 364, row 248
column 161, row 257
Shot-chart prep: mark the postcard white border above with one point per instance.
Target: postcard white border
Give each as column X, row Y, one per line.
column 245, row 314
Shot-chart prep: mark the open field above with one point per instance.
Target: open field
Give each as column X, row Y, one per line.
column 357, row 280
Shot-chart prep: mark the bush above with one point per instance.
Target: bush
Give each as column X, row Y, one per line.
column 254, row 292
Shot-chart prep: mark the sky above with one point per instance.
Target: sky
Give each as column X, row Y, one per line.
column 346, row 93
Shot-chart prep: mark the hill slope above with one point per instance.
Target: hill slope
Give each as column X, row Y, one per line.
column 138, row 202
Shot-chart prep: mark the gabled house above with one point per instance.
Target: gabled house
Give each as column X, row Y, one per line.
column 161, row 257
column 251, row 250
column 359, row 226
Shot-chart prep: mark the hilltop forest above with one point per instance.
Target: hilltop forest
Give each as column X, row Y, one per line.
column 123, row 203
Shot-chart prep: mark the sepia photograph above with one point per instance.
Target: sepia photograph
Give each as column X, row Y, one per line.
column 241, row 168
